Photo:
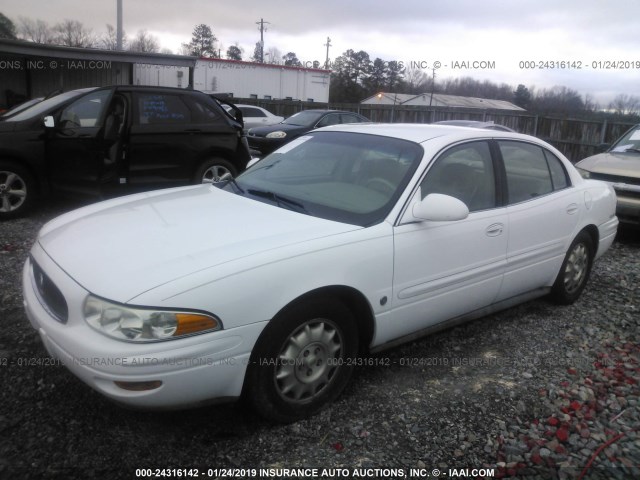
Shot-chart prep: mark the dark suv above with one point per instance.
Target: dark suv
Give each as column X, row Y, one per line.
column 112, row 140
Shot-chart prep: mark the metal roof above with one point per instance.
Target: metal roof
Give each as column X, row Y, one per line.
column 439, row 100
column 24, row 48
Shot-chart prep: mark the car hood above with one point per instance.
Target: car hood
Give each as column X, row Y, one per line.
column 124, row 247
column 262, row 131
column 618, row 164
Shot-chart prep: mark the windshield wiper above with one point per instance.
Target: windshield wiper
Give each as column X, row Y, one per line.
column 233, row 182
column 279, row 199
column 633, row 149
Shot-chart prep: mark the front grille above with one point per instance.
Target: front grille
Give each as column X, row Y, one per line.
column 49, row 295
column 615, row 178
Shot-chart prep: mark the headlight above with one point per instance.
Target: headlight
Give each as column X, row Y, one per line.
column 145, row 324
column 584, row 173
column 278, row 134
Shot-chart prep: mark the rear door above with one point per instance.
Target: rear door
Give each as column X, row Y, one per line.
column 543, row 211
column 171, row 134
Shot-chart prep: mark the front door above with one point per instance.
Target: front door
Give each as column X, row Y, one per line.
column 446, row 269
column 76, row 148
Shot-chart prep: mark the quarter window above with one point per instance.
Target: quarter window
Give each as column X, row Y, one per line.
column 466, row 173
column 558, row 173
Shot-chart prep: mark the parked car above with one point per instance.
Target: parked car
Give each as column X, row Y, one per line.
column 257, row 116
column 475, row 124
column 268, row 139
column 105, row 141
column 620, row 167
column 348, row 240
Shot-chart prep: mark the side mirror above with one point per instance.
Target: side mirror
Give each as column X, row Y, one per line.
column 437, row 207
column 49, row 122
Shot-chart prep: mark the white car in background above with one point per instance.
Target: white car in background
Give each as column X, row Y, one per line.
column 256, row 116
column 345, row 241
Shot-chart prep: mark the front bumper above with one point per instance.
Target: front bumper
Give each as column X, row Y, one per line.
column 265, row 145
column 191, row 370
column 628, row 206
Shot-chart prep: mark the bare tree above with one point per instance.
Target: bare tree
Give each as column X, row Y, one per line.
column 72, row 33
column 274, row 55
column 417, row 81
column 37, row 31
column 624, row 104
column 109, row 40
column 144, row 42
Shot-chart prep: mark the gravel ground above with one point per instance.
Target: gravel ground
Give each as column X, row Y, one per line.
column 538, row 391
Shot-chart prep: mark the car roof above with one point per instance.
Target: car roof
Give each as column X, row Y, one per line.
column 324, row 110
column 422, row 132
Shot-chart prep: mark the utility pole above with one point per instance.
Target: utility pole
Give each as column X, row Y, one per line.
column 433, row 85
column 328, row 44
column 119, row 26
column 262, row 30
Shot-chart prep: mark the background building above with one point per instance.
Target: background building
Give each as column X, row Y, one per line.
column 262, row 80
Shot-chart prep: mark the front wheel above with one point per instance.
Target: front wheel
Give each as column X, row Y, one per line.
column 17, row 190
column 575, row 270
column 214, row 170
column 302, row 360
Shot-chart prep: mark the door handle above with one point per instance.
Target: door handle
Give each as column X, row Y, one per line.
column 193, row 130
column 572, row 208
column 494, row 230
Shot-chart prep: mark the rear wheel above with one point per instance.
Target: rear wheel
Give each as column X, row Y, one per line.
column 17, row 190
column 302, row 360
column 214, row 170
column 575, row 270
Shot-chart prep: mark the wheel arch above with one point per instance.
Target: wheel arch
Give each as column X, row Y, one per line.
column 353, row 299
column 593, row 233
column 40, row 181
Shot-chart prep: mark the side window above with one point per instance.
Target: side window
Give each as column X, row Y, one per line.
column 86, row 111
column 251, row 112
column 349, row 119
column 559, row 176
column 329, row 120
column 159, row 108
column 527, row 173
column 466, row 173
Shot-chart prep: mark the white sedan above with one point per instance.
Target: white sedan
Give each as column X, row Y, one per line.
column 348, row 240
column 253, row 116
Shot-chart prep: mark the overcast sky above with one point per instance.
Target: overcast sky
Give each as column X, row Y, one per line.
column 503, row 33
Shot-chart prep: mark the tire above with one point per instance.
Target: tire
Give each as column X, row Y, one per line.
column 575, row 270
column 214, row 170
column 17, row 190
column 302, row 360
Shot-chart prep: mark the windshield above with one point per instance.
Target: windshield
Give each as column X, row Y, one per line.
column 347, row 177
column 45, row 105
column 21, row 107
column 304, row 119
column 630, row 141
